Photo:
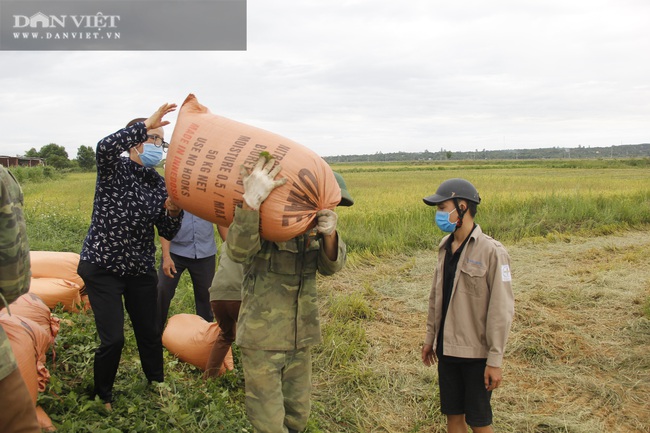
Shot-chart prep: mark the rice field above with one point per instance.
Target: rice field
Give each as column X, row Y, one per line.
column 578, row 233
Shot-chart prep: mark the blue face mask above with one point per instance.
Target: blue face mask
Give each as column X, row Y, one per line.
column 151, row 155
column 443, row 223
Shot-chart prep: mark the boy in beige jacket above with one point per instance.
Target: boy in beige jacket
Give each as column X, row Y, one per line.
column 471, row 307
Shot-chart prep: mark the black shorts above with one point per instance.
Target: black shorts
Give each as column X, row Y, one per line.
column 462, row 391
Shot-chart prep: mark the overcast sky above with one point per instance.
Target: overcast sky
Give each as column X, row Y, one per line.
column 362, row 76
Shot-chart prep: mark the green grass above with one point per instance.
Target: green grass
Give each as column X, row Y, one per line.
column 516, row 203
column 523, row 201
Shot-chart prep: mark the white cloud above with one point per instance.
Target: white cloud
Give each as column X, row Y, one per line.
column 365, row 76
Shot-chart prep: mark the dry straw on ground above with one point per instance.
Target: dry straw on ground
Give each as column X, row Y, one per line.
column 577, row 357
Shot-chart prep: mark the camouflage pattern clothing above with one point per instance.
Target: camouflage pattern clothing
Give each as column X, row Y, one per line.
column 279, row 307
column 226, row 284
column 15, row 272
column 278, row 389
column 278, row 321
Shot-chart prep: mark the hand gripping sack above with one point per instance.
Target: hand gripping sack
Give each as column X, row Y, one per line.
column 202, row 173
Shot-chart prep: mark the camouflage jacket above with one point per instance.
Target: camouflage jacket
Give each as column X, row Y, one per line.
column 226, row 284
column 279, row 308
column 14, row 257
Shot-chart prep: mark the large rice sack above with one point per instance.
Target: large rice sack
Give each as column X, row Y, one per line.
column 55, row 264
column 29, row 342
column 55, row 290
column 202, row 173
column 32, row 307
column 190, row 338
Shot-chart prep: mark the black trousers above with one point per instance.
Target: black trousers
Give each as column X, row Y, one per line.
column 201, row 271
column 105, row 290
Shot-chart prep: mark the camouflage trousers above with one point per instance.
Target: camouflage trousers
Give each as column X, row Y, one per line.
column 278, row 389
column 18, row 414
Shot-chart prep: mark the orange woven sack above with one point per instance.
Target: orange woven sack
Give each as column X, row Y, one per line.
column 55, row 290
column 190, row 338
column 44, row 420
column 55, row 264
column 32, row 307
column 29, row 343
column 202, row 173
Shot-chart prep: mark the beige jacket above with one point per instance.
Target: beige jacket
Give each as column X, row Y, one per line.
column 481, row 307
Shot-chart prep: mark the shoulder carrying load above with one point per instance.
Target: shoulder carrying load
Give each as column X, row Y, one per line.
column 56, row 264
column 29, row 343
column 190, row 338
column 202, row 173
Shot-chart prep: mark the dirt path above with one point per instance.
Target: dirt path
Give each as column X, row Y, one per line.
column 578, row 356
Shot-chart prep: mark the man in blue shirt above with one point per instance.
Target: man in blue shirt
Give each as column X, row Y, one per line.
column 193, row 249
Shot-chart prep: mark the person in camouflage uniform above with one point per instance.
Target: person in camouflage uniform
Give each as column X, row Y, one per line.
column 279, row 319
column 225, row 300
column 18, row 413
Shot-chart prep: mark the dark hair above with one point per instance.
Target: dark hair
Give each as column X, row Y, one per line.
column 134, row 121
column 471, row 208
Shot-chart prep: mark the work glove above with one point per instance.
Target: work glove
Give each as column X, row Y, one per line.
column 259, row 183
column 326, row 221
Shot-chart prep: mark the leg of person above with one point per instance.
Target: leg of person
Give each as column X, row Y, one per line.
column 456, row 424
column 226, row 313
column 452, row 398
column 296, row 388
column 140, row 301
column 263, row 381
column 202, row 273
column 167, row 290
column 478, row 410
column 105, row 290
column 18, row 412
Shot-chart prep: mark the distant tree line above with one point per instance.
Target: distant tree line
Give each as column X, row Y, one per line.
column 56, row 156
column 580, row 152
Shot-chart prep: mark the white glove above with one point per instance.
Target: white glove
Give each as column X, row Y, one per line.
column 326, row 221
column 259, row 183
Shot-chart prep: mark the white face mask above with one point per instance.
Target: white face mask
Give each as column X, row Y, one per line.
column 151, row 155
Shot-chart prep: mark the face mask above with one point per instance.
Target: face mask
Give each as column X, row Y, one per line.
column 443, row 223
column 151, row 156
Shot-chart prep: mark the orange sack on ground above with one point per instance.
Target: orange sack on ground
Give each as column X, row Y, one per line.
column 55, row 264
column 32, row 307
column 190, row 338
column 55, row 290
column 29, row 342
column 202, row 173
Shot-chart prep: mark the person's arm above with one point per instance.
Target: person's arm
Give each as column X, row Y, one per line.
column 111, row 147
column 169, row 220
column 428, row 352
column 168, row 266
column 501, row 307
column 223, row 232
column 243, row 238
column 15, row 274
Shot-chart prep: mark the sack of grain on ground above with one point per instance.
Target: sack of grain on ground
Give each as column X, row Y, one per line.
column 190, row 338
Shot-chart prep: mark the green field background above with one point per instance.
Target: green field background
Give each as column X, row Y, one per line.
column 522, row 201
